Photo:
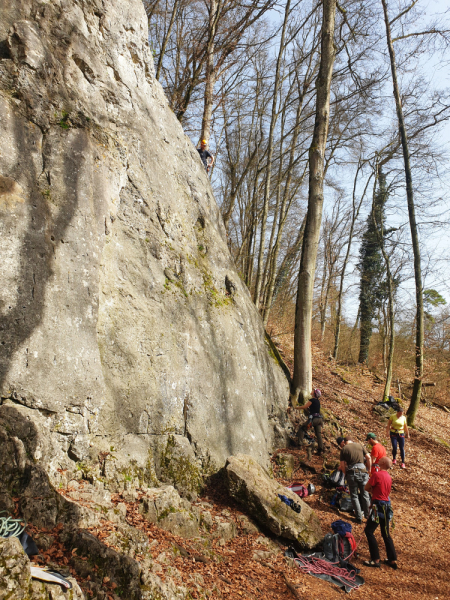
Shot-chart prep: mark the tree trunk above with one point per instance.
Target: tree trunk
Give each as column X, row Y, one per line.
column 269, row 158
column 302, row 379
column 214, row 13
column 355, row 214
column 390, row 286
column 418, row 374
column 284, row 207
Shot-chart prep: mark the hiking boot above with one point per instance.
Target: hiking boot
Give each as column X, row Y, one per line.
column 403, row 466
column 394, row 462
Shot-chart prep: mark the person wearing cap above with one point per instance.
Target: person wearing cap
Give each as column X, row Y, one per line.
column 352, row 459
column 396, row 429
column 377, row 452
column 314, row 420
column 379, row 486
column 205, row 155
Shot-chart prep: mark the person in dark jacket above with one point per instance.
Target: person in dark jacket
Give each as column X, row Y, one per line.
column 315, row 420
column 205, row 155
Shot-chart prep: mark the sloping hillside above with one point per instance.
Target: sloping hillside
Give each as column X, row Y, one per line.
column 251, row 565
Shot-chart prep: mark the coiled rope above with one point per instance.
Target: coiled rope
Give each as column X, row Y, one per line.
column 318, row 566
column 10, row 527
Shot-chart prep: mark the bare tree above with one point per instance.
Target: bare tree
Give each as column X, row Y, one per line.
column 302, row 377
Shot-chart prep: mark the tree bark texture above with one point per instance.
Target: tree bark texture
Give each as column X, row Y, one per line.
column 214, row 14
column 302, row 378
column 418, row 374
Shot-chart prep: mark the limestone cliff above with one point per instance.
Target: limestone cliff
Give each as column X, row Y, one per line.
column 125, row 329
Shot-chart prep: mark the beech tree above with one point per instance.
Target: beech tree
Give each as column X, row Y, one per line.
column 302, row 377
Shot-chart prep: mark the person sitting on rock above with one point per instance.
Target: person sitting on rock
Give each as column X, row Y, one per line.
column 205, row 155
column 379, row 485
column 314, row 420
column 377, row 452
column 352, row 465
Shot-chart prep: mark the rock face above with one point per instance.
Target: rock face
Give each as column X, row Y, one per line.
column 16, row 582
column 252, row 486
column 125, row 330
column 164, row 507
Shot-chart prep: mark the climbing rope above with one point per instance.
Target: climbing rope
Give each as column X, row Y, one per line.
column 318, row 566
column 10, row 527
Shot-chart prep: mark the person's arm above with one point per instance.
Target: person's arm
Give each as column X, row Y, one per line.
column 406, row 430
column 388, row 428
column 298, row 407
column 305, row 406
column 343, row 466
column 368, row 462
column 368, row 487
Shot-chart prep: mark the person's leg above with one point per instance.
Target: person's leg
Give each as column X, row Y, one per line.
column 401, row 443
column 371, row 540
column 388, row 541
column 353, row 486
column 365, row 498
column 394, row 445
column 301, row 433
column 318, row 424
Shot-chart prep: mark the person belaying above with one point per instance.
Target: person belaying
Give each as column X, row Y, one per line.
column 397, row 428
column 352, row 459
column 205, row 155
column 377, row 452
column 379, row 486
column 315, row 420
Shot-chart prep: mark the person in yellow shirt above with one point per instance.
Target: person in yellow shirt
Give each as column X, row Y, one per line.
column 396, row 429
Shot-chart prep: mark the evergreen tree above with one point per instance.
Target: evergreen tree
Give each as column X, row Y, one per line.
column 372, row 268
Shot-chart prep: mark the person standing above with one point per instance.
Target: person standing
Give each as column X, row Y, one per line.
column 397, row 428
column 377, row 452
column 379, row 485
column 352, row 465
column 315, row 420
column 205, row 155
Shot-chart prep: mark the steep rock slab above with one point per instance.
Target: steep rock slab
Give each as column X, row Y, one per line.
column 251, row 485
column 123, row 321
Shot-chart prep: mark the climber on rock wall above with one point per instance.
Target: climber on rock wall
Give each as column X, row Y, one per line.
column 205, row 155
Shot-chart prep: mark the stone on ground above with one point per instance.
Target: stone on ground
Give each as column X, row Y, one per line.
column 16, row 582
column 251, row 485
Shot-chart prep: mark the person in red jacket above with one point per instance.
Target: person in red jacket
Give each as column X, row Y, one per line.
column 379, row 486
column 377, row 452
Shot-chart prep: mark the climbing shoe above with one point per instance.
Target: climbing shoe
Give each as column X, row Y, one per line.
column 394, row 462
column 403, row 466
column 371, row 563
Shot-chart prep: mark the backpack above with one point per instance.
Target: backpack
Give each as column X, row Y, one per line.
column 345, row 503
column 337, row 547
column 346, row 542
column 336, row 479
column 299, row 489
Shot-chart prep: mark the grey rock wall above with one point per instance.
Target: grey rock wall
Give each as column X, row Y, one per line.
column 119, row 329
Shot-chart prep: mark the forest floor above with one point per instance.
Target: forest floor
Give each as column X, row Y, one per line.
column 420, row 499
